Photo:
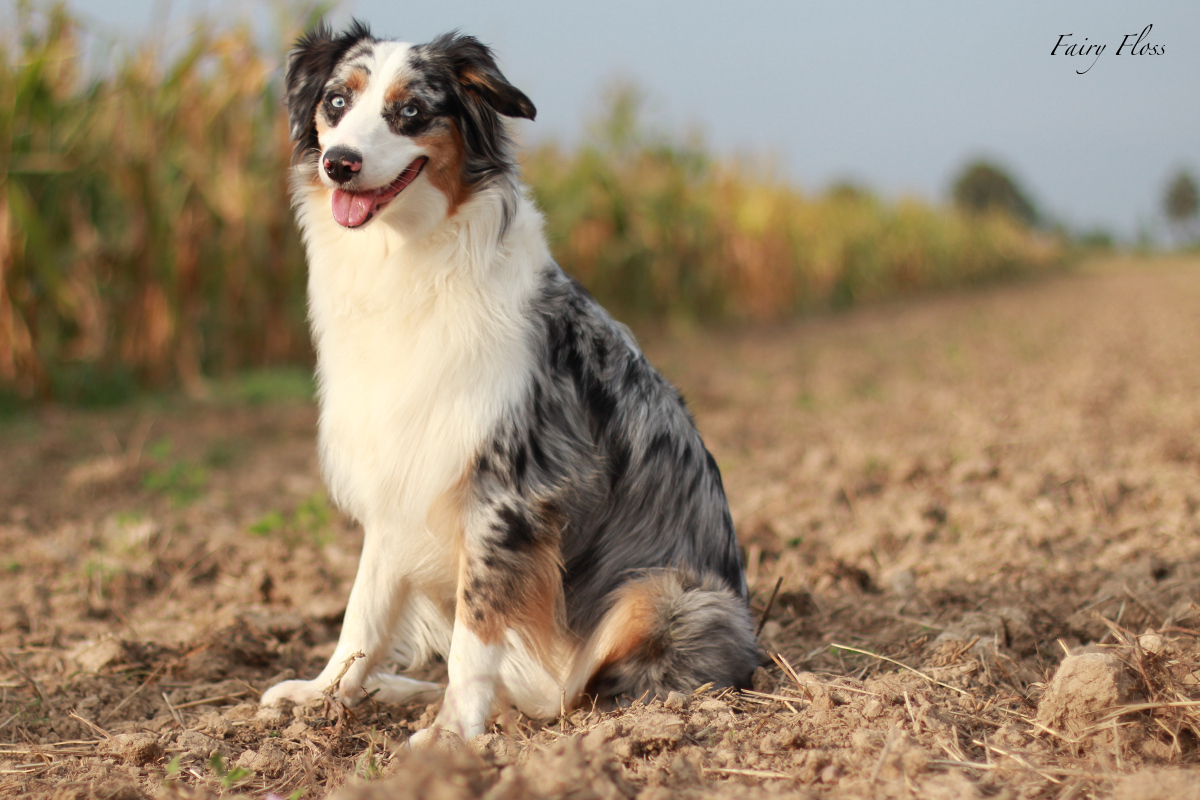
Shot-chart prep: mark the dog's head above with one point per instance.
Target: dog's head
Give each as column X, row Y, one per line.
column 370, row 117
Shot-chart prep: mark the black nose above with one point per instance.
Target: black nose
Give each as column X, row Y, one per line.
column 341, row 163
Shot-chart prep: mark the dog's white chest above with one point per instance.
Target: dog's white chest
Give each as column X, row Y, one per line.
column 408, row 396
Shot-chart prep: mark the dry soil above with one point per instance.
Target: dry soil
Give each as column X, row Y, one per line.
column 981, row 511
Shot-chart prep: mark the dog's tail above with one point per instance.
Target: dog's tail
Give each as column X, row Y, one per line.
column 669, row 630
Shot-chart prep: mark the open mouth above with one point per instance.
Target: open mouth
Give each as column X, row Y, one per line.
column 351, row 209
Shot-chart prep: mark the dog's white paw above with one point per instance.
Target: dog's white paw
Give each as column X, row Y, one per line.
column 299, row 692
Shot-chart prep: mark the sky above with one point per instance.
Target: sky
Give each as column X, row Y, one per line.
column 893, row 96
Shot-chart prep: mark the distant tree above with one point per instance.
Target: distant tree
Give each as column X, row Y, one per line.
column 983, row 186
column 1181, row 202
column 1096, row 239
column 849, row 191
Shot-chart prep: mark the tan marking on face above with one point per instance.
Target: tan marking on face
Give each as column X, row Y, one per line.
column 356, row 81
column 396, row 93
column 446, row 152
column 314, row 176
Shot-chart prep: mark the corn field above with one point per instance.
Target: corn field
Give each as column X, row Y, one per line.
column 146, row 237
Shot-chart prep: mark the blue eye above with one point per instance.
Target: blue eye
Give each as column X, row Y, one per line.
column 337, row 101
column 409, row 111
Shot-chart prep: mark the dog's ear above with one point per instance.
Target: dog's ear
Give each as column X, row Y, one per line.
column 310, row 64
column 477, row 73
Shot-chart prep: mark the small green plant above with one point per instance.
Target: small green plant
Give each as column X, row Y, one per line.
column 101, row 573
column 368, row 766
column 269, row 523
column 229, row 778
column 221, row 453
column 806, row 401
column 182, row 482
column 309, row 522
column 313, row 516
column 160, row 449
column 279, row 384
column 171, row 774
column 127, row 519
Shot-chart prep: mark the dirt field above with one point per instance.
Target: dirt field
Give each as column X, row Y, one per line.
column 960, row 496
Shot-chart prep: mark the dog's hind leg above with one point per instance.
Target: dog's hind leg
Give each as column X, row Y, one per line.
column 507, row 635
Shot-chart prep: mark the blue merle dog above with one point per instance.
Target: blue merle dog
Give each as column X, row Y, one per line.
column 537, row 503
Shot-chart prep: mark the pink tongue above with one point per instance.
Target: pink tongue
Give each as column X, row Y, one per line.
column 351, row 209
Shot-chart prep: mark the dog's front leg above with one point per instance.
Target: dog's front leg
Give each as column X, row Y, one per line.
column 473, row 672
column 507, row 615
column 376, row 601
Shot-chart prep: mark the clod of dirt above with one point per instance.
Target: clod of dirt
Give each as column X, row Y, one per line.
column 1009, row 627
column 566, row 769
column 1158, row 784
column 270, row 761
column 431, row 774
column 656, row 731
column 115, row 789
column 94, row 656
column 200, row 746
column 1152, row 643
column 495, row 748
column 905, row 758
column 447, row 741
column 675, row 700
column 1084, row 688
column 270, row 716
column 903, row 583
column 241, row 712
column 951, row 786
column 133, row 748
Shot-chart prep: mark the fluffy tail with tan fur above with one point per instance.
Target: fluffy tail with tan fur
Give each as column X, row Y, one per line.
column 669, row 631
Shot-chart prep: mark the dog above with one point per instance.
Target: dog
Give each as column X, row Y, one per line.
column 537, row 504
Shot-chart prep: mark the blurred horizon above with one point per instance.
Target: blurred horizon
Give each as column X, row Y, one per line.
column 147, row 245
column 894, row 99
